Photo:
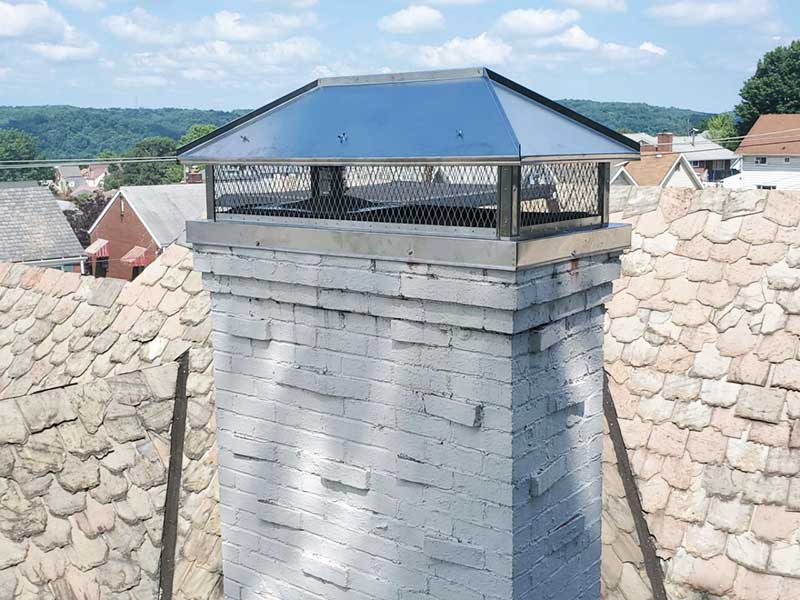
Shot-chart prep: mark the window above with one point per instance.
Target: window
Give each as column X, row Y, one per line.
column 761, row 160
column 135, row 272
column 101, row 268
column 766, row 187
column 696, row 163
column 787, row 160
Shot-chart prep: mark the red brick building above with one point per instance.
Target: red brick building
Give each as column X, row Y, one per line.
column 138, row 224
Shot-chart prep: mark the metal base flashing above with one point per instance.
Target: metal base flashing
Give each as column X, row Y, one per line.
column 504, row 255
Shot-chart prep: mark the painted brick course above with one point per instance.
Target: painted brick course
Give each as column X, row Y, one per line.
column 383, row 426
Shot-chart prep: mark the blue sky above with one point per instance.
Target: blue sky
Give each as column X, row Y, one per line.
column 243, row 53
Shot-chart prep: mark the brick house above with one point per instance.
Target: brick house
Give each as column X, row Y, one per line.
column 138, row 223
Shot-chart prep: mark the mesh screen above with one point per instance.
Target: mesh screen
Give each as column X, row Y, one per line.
column 554, row 192
column 438, row 196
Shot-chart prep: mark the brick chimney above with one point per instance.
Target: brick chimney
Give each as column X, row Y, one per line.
column 409, row 364
column 664, row 142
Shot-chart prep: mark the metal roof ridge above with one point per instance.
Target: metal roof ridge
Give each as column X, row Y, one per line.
column 404, row 77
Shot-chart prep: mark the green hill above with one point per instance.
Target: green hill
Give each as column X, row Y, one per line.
column 72, row 132
column 637, row 116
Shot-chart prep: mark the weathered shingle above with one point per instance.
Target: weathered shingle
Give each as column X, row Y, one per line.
column 33, row 228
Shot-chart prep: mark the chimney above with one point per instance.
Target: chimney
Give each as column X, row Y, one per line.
column 409, row 369
column 664, row 142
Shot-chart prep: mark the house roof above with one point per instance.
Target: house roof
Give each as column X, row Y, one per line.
column 33, row 228
column 699, row 148
column 653, row 169
column 164, row 209
column 773, row 135
column 704, row 383
column 87, row 390
column 470, row 115
column 69, row 171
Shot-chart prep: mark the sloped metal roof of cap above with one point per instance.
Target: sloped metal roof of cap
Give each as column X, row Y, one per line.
column 467, row 115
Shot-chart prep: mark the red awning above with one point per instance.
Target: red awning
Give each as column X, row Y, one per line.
column 136, row 257
column 98, row 248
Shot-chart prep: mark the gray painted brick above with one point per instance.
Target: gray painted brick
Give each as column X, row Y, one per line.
column 377, row 435
column 453, row 410
column 345, row 474
column 454, row 552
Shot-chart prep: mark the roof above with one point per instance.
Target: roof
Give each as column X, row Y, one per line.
column 468, row 115
column 69, row 171
column 773, row 135
column 699, row 148
column 700, row 351
column 653, row 169
column 88, row 375
column 164, row 209
column 33, row 228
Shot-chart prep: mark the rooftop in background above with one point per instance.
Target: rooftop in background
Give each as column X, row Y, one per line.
column 653, row 169
column 781, row 136
column 33, row 228
column 164, row 209
column 697, row 148
column 466, row 115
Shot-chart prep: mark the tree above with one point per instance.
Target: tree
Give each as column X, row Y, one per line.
column 146, row 173
column 18, row 145
column 723, row 127
column 775, row 87
column 88, row 209
column 195, row 132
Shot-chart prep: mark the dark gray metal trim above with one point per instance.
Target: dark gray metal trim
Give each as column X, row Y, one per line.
column 169, row 536
column 506, row 255
column 211, row 203
column 604, row 189
column 508, row 184
column 652, row 563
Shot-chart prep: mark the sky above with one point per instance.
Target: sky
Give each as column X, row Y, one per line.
column 244, row 53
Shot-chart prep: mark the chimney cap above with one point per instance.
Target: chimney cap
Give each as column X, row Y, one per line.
column 473, row 116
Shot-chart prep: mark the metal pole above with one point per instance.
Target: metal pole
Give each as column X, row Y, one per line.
column 604, row 189
column 211, row 212
column 508, row 185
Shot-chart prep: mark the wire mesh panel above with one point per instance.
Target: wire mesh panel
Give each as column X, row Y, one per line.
column 453, row 199
column 555, row 193
column 416, row 196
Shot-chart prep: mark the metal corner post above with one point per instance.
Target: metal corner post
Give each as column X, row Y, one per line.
column 508, row 186
column 211, row 212
column 604, row 189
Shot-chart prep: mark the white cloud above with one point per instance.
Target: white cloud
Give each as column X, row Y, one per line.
column 65, row 52
column 413, row 19
column 697, row 12
column 456, row 2
column 460, row 52
column 29, row 19
column 533, row 21
column 142, row 27
column 574, row 38
column 136, row 81
column 218, row 51
column 235, row 27
column 651, row 48
column 296, row 4
column 609, row 5
column 4, row 72
column 290, row 51
column 85, row 5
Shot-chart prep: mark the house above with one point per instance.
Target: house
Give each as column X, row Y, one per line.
column 770, row 155
column 660, row 170
column 106, row 389
column 138, row 223
column 95, row 175
column 710, row 161
column 33, row 230
column 69, row 180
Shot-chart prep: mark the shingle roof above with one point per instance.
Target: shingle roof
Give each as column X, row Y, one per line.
column 87, row 382
column 164, row 209
column 33, row 228
column 786, row 142
column 652, row 169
